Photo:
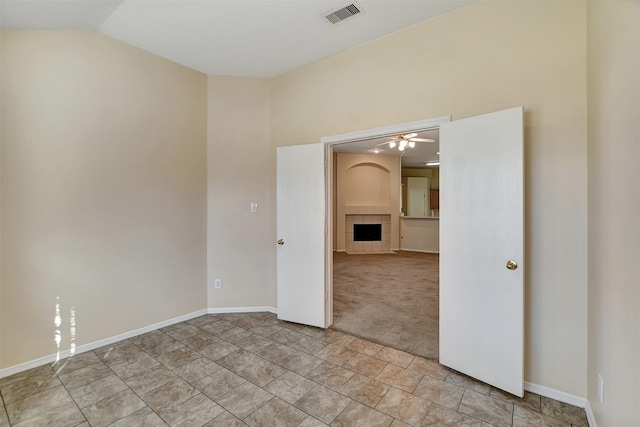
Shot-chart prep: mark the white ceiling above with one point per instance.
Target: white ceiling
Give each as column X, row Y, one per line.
column 411, row 158
column 252, row 38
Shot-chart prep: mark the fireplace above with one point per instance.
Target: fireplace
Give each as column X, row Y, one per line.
column 367, row 232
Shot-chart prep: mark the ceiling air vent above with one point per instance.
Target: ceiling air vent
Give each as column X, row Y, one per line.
column 343, row 13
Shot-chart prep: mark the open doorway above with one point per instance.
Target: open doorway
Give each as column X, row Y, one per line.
column 385, row 281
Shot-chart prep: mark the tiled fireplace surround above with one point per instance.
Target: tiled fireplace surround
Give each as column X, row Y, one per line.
column 383, row 246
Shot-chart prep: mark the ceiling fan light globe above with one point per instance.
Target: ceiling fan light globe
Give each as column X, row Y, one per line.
column 392, row 144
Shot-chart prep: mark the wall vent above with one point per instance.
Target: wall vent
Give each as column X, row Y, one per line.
column 343, row 13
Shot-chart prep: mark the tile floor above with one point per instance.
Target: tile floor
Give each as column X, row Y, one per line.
column 251, row 369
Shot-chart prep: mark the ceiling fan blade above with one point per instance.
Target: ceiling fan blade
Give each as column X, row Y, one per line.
column 409, row 135
column 422, row 140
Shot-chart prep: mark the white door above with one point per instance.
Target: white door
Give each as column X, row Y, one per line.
column 301, row 234
column 417, row 202
column 481, row 231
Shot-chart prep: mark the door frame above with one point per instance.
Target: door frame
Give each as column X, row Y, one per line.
column 346, row 138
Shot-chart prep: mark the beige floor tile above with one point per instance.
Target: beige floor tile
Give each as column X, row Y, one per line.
column 365, row 347
column 330, row 375
column 262, row 372
column 72, row 363
column 113, row 408
column 336, row 354
column 97, row 390
column 195, row 411
column 31, row 385
column 310, row 345
column 117, row 352
column 235, row 334
column 25, row 374
column 467, row 382
column 358, row 415
column 219, row 383
column 323, row 404
column 429, row 367
column 149, row 380
column 439, row 416
column 397, row 357
column 169, row 395
column 218, row 350
column 564, row 411
column 530, row 400
column 161, row 346
column 364, row 390
column 338, row 338
column 216, row 328
column 181, row 331
column 200, row 340
column 489, row 409
column 196, row 370
column 365, row 365
column 265, row 329
column 65, row 415
column 439, row 392
column 244, row 399
column 398, row 377
column 404, row 406
column 276, row 352
column 238, row 360
column 203, row 320
column 254, row 343
column 524, row 417
column 84, row 376
column 312, row 422
column 246, row 322
column 286, row 336
column 301, row 363
column 290, row 387
column 37, row 404
column 225, row 420
column 276, row 413
column 144, row 417
column 176, row 358
column 135, row 365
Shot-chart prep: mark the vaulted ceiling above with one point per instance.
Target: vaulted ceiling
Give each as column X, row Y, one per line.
column 251, row 38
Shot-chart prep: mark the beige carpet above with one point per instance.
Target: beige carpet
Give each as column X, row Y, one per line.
column 391, row 299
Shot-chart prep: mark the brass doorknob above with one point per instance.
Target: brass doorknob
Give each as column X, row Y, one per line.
column 281, row 242
column 512, row 265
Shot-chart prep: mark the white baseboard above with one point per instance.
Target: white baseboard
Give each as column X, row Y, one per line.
column 242, row 310
column 591, row 418
column 554, row 394
column 561, row 396
column 419, row 250
column 11, row 370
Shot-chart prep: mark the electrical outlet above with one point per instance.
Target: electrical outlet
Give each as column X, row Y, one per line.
column 600, row 388
column 217, row 283
column 254, row 207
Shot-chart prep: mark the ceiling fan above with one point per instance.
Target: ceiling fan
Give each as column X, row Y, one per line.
column 404, row 141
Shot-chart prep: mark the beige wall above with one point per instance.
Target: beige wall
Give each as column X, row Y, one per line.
column 420, row 234
column 364, row 172
column 103, row 190
column 482, row 58
column 614, row 210
column 241, row 170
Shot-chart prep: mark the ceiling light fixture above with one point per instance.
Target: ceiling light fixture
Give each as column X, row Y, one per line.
column 432, row 163
column 404, row 141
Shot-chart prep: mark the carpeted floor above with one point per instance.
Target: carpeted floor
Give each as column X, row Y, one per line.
column 391, row 299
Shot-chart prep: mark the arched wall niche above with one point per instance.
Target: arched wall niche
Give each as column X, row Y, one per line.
column 367, row 184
